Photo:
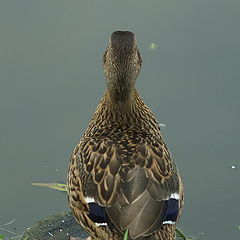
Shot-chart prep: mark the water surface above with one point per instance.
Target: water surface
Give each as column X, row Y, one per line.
column 51, row 79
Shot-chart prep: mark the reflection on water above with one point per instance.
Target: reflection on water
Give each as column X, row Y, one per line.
column 51, row 80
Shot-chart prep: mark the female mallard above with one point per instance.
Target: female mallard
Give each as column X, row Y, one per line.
column 121, row 175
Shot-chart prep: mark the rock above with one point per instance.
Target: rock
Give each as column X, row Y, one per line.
column 57, row 227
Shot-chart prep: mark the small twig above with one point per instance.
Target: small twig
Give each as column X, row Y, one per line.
column 8, row 223
column 3, row 229
column 19, row 236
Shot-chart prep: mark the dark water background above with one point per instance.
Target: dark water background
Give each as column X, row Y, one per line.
column 51, row 79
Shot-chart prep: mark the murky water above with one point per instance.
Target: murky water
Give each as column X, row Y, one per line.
column 51, row 79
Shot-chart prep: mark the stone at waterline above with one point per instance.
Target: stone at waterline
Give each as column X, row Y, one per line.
column 56, row 227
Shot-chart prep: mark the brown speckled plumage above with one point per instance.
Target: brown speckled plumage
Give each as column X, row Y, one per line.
column 121, row 160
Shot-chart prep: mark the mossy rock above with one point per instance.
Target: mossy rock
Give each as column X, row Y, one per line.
column 56, row 227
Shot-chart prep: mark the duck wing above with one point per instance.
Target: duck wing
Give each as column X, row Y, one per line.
column 137, row 184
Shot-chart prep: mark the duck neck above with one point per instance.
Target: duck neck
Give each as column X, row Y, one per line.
column 122, row 107
column 128, row 114
column 120, row 90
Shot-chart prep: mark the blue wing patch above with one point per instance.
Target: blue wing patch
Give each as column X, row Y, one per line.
column 97, row 213
column 172, row 210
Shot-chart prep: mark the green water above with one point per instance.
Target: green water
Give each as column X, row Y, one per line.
column 51, row 79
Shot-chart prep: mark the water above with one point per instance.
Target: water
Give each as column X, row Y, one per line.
column 51, row 80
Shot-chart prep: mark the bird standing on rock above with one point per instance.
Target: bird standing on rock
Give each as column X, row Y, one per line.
column 121, row 175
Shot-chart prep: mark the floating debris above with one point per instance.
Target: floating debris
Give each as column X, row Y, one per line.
column 50, row 234
column 153, row 46
column 233, row 167
column 58, row 186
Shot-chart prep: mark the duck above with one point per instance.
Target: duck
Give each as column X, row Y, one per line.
column 122, row 177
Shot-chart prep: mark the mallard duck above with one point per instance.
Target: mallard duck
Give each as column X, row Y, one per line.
column 121, row 175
